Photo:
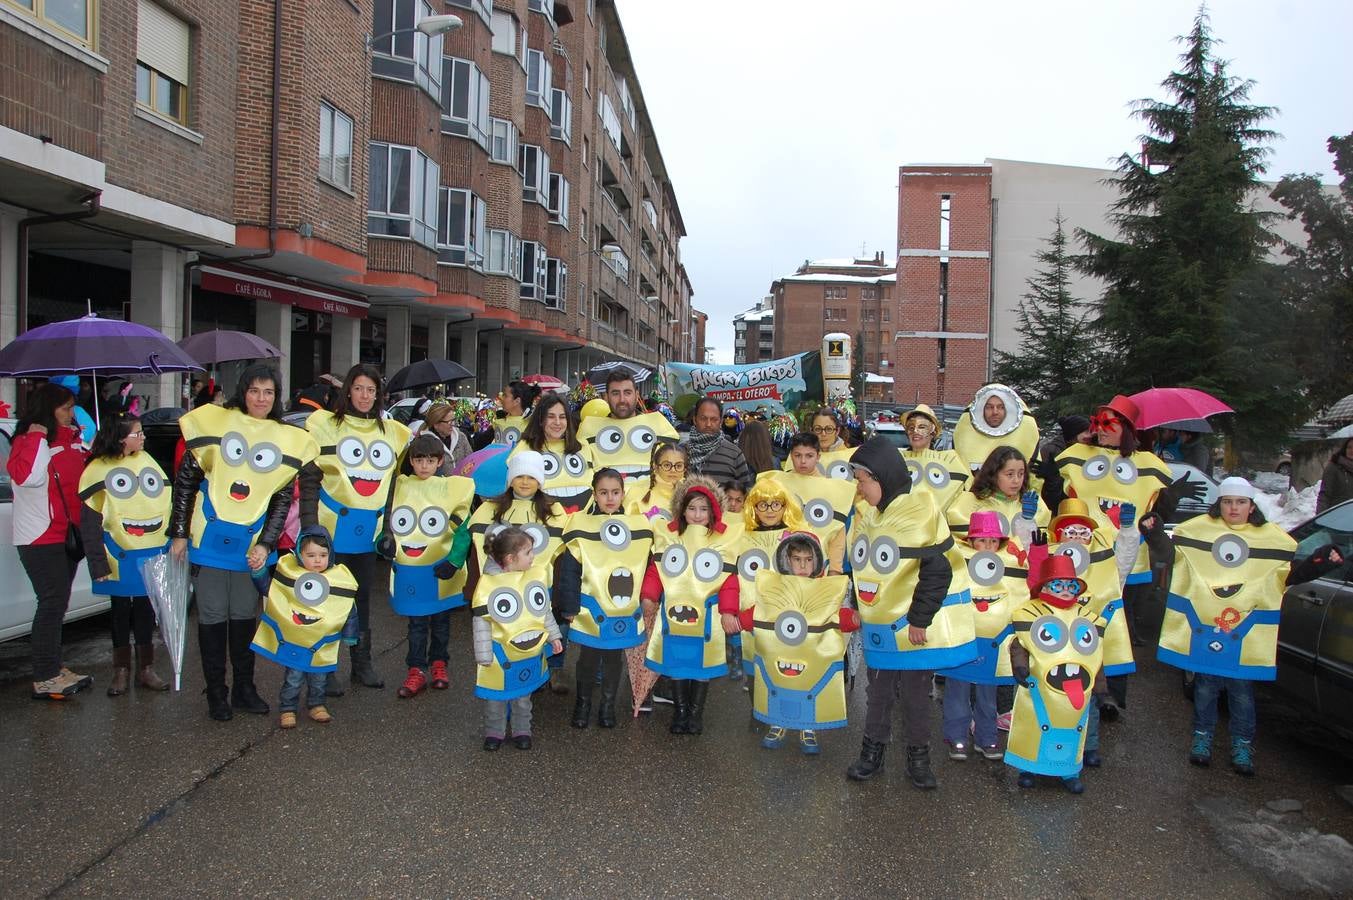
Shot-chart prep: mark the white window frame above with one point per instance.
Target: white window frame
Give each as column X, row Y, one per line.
column 532, row 266
column 504, row 254
column 503, row 132
column 425, row 59
column 610, row 122
column 419, row 222
column 561, row 116
column 555, row 292
column 534, row 165
column 539, row 75
column 480, row 8
column 558, row 202
column 473, row 121
column 505, row 33
column 332, row 123
column 465, row 211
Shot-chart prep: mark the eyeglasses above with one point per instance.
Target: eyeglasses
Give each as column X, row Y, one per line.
column 1064, row 586
column 824, row 429
column 672, row 466
column 770, row 505
column 1075, row 532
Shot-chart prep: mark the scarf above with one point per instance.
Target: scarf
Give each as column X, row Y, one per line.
column 700, row 446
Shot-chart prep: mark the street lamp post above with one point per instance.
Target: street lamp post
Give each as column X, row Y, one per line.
column 430, row 26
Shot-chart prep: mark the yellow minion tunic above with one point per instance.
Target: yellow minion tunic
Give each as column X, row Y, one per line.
column 827, row 504
column 625, row 445
column 245, row 461
column 357, row 460
column 1103, row 598
column 886, row 550
column 303, row 616
column 1047, row 731
column 515, row 605
column 974, row 439
column 689, row 642
column 799, row 670
column 650, row 499
column 999, row 586
column 1102, row 477
column 1226, row 592
column 547, row 537
column 508, row 430
column 132, row 496
column 568, row 476
column 754, row 553
column 967, row 503
column 613, row 552
column 424, row 516
column 942, row 472
column 832, row 464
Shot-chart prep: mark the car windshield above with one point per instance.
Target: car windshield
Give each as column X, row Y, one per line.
column 1334, row 526
column 896, row 436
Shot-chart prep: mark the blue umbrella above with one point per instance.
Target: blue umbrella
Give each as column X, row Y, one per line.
column 488, row 468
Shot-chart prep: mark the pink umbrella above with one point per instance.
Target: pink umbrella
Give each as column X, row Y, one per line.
column 544, row 382
column 642, row 678
column 1165, row 406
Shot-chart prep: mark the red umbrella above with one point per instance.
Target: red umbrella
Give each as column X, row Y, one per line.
column 544, row 382
column 1165, row 406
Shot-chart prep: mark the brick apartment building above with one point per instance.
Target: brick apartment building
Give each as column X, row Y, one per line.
column 493, row 194
column 855, row 296
column 754, row 333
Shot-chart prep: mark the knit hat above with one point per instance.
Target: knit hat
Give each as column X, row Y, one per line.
column 1235, row 486
column 1072, row 427
column 526, row 462
column 985, row 523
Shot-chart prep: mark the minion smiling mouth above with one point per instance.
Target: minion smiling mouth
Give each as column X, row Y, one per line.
column 631, row 470
column 239, row 490
column 303, row 620
column 621, row 586
column 138, row 528
column 364, row 481
column 1112, row 509
column 527, row 640
column 413, row 551
column 789, row 669
column 687, row 615
column 1227, row 591
column 1072, row 680
column 982, row 604
column 867, row 590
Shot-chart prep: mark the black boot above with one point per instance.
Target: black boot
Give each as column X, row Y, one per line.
column 610, row 686
column 211, row 644
column 362, row 672
column 870, row 762
column 244, row 696
column 918, row 768
column 680, row 706
column 582, row 703
column 334, row 685
column 696, row 692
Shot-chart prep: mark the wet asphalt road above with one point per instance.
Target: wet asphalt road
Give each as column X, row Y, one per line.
column 143, row 795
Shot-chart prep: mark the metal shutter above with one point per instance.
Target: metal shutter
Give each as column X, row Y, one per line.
column 162, row 41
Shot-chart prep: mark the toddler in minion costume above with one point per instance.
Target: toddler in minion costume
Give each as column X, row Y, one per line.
column 800, row 622
column 770, row 513
column 308, row 601
column 1056, row 658
column 425, row 511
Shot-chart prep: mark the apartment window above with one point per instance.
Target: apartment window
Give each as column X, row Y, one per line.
column 617, row 262
column 480, row 8
column 869, row 293
column 532, row 271
column 587, row 150
column 335, row 147
column 402, row 193
column 591, row 8
column 504, row 254
column 558, row 205
column 556, row 282
column 835, row 293
column 561, row 116
column 651, row 212
column 162, row 53
column 460, row 228
column 407, row 54
column 538, row 77
column 71, row 18
column 587, row 77
column 610, row 122
column 542, row 6
column 465, row 100
column 504, row 28
column 503, row 148
column 866, row 315
column 534, row 165
column 887, row 314
column 582, row 230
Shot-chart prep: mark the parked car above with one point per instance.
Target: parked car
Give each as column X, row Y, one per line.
column 18, row 602
column 1188, row 508
column 406, row 410
column 894, row 432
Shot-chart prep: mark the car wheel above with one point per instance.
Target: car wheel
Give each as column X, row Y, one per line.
column 1284, row 469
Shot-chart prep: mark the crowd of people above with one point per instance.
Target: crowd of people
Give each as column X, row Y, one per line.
column 1002, row 570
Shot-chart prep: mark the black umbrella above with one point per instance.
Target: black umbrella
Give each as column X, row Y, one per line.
column 597, row 374
column 426, row 372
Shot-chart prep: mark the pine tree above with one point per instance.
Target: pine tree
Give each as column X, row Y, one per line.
column 1048, row 368
column 1189, row 235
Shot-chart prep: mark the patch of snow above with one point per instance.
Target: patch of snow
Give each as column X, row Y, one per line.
column 1288, row 509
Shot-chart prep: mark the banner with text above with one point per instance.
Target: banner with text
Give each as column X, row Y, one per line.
column 777, row 385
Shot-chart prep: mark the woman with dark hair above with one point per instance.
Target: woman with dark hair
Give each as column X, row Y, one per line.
column 1002, row 486
column 345, row 490
column 516, row 402
column 1336, row 484
column 761, row 455
column 231, row 496
column 126, row 508
column 825, row 424
column 552, row 431
column 44, row 465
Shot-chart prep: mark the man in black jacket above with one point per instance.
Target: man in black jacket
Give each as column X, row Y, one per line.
column 711, row 453
column 882, row 477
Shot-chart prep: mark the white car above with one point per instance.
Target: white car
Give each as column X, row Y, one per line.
column 18, row 602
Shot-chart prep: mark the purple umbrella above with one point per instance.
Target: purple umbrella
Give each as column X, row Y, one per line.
column 212, row 347
column 93, row 346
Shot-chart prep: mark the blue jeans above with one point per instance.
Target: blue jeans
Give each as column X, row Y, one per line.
column 557, row 660
column 1239, row 700
column 959, row 710
column 438, row 625
column 291, row 690
column 1092, row 727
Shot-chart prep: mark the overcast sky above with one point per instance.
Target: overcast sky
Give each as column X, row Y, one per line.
column 783, row 123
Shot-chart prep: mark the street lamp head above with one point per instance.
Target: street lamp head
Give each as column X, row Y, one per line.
column 612, row 247
column 435, row 25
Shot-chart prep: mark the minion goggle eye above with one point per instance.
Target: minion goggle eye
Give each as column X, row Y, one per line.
column 791, row 628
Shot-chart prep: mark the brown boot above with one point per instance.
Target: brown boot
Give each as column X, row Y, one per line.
column 145, row 669
column 122, row 671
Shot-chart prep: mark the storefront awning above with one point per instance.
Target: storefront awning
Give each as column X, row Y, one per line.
column 255, row 287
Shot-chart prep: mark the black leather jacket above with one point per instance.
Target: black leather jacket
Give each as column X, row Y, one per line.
column 186, row 484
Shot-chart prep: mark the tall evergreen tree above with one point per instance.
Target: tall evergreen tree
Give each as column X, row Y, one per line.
column 1056, row 346
column 1188, row 232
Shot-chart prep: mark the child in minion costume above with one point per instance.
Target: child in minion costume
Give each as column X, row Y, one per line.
column 308, row 602
column 694, row 590
column 800, row 625
column 998, row 584
column 770, row 513
column 520, row 505
column 826, row 502
column 942, row 472
column 568, row 476
column 426, row 510
column 1056, row 659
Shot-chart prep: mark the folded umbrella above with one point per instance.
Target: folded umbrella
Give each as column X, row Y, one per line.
column 1161, row 406
column 426, row 372
column 221, row 345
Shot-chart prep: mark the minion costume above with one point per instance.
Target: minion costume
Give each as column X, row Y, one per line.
column 547, row 536
column 650, row 498
column 508, row 430
column 974, row 439
column 1058, row 654
column 357, row 457
column 625, row 445
column 516, row 606
column 831, row 464
column 998, row 584
column 941, row 472
column 568, row 476
column 130, row 495
column 827, row 504
column 613, row 551
column 798, row 625
column 754, row 552
column 304, row 612
column 424, row 516
column 1006, row 509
